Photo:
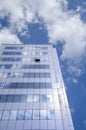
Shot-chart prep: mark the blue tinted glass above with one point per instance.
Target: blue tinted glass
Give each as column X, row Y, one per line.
column 43, row 114
column 51, row 114
column 10, row 98
column 44, row 48
column 21, row 115
column 47, row 75
column 23, row 98
column 19, row 85
column 13, row 85
column 48, row 85
column 2, row 84
column 36, row 98
column 3, row 98
column 43, row 98
column 1, row 114
column 30, row 85
column 11, row 53
column 28, row 114
column 13, row 115
column 42, row 75
column 49, row 98
column 7, row 85
column 36, row 75
column 17, row 98
column 11, row 59
column 10, row 47
column 35, row 114
column 31, row 75
column 42, row 85
column 36, row 85
column 5, row 115
column 29, row 98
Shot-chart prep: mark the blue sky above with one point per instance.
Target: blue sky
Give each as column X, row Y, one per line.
column 59, row 22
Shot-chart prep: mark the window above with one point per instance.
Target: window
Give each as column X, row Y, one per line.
column 43, row 114
column 28, row 114
column 23, row 98
column 35, row 114
column 17, row 98
column 51, row 114
column 29, row 98
column 43, row 98
column 3, row 98
column 11, row 53
column 37, row 60
column 36, row 98
column 21, row 115
column 6, row 115
column 13, row 115
column 49, row 98
column 1, row 114
column 10, row 98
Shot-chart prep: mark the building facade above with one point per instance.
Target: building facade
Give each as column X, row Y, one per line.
column 32, row 92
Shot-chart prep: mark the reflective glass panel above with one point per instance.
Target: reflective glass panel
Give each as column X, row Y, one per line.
column 35, row 114
column 1, row 114
column 6, row 115
column 13, row 115
column 51, row 114
column 36, row 98
column 28, row 114
column 21, row 115
column 49, row 98
column 43, row 114
column 29, row 98
column 43, row 98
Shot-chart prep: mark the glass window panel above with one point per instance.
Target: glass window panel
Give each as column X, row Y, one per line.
column 49, row 98
column 35, row 114
column 13, row 115
column 21, row 115
column 1, row 74
column 31, row 75
column 42, row 75
column 29, row 98
column 23, row 98
column 1, row 114
column 2, row 84
column 28, row 114
column 6, row 115
column 36, row 85
column 13, row 85
column 19, row 85
column 51, row 114
column 17, row 98
column 43, row 98
column 30, row 85
column 48, row 85
column 10, row 98
column 36, row 75
column 43, row 114
column 7, row 85
column 47, row 75
column 36, row 98
column 3, row 98
column 42, row 85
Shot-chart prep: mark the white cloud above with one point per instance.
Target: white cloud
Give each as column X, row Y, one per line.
column 60, row 23
column 7, row 37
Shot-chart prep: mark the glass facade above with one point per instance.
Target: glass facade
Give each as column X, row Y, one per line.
column 32, row 92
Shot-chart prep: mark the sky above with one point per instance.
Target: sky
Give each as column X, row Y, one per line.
column 58, row 22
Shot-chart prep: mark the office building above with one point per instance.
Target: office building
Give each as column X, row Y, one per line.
column 32, row 92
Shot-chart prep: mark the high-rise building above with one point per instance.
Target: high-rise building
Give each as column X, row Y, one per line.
column 32, row 92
